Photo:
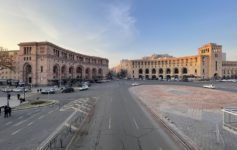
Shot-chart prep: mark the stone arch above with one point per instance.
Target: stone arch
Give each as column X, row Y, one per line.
column 64, row 72
column 153, row 71
column 184, row 71
column 161, row 77
column 140, row 71
column 161, row 71
column 168, row 77
column 168, row 71
column 147, row 71
column 176, row 76
column 87, row 73
column 79, row 72
column 71, row 72
column 94, row 73
column 56, row 71
column 140, row 77
column 176, row 71
column 27, row 73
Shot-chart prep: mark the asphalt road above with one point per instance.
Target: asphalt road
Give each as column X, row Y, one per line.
column 120, row 123
column 27, row 129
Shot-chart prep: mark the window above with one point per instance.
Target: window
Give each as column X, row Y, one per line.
column 41, row 69
column 216, row 66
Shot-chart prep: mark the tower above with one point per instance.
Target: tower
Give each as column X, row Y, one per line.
column 211, row 60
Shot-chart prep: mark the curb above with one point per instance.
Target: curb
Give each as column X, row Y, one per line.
column 36, row 106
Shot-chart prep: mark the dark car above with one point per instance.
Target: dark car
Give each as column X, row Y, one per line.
column 68, row 90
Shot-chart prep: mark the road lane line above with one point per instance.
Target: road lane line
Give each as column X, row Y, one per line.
column 51, row 111
column 16, row 131
column 56, row 131
column 8, row 123
column 135, row 123
column 42, row 116
column 110, row 123
column 19, row 123
column 29, row 124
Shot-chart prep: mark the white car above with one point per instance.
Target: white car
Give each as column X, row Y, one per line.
column 48, row 91
column 84, row 87
column 209, row 86
column 135, row 84
column 20, row 89
column 6, row 90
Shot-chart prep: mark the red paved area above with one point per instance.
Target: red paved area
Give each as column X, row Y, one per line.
column 194, row 112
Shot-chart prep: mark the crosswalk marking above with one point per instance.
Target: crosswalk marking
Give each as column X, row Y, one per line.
column 82, row 105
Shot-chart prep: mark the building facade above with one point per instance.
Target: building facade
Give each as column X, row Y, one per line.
column 44, row 63
column 207, row 64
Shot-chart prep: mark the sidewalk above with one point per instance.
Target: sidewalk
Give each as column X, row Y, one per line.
column 13, row 102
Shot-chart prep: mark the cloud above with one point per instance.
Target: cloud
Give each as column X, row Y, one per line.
column 40, row 22
column 120, row 17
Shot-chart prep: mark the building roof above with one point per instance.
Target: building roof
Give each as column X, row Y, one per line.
column 51, row 44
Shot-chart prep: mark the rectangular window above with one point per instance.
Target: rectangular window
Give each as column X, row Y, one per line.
column 41, row 69
column 216, row 65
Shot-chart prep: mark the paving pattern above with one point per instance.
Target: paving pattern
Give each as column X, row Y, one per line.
column 194, row 112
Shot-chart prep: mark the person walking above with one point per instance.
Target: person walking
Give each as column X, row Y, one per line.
column 5, row 112
column 18, row 96
column 10, row 111
column 0, row 111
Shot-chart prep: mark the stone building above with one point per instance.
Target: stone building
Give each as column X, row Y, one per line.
column 207, row 64
column 44, row 63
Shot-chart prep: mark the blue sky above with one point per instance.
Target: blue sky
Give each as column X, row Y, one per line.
column 119, row 29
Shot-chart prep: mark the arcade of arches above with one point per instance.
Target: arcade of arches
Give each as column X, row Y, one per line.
column 161, row 73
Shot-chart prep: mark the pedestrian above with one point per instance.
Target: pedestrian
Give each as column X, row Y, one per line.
column 5, row 112
column 18, row 96
column 10, row 111
column 0, row 110
column 8, row 96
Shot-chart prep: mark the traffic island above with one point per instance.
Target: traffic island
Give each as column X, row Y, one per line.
column 35, row 104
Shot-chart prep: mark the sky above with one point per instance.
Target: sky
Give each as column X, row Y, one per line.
column 121, row 29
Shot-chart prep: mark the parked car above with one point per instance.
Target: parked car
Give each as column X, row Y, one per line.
column 135, row 84
column 68, row 90
column 48, row 91
column 20, row 89
column 209, row 86
column 86, row 83
column 84, row 87
column 6, row 90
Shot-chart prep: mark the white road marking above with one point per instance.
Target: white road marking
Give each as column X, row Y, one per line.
column 29, row 124
column 55, row 132
column 8, row 123
column 19, row 123
column 109, row 123
column 135, row 123
column 42, row 116
column 16, row 131
column 51, row 111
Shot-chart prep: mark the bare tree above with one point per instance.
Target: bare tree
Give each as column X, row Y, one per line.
column 6, row 61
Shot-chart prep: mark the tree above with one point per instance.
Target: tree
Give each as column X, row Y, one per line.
column 122, row 74
column 109, row 75
column 6, row 61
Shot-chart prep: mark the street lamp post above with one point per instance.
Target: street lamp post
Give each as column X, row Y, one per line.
column 60, row 77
